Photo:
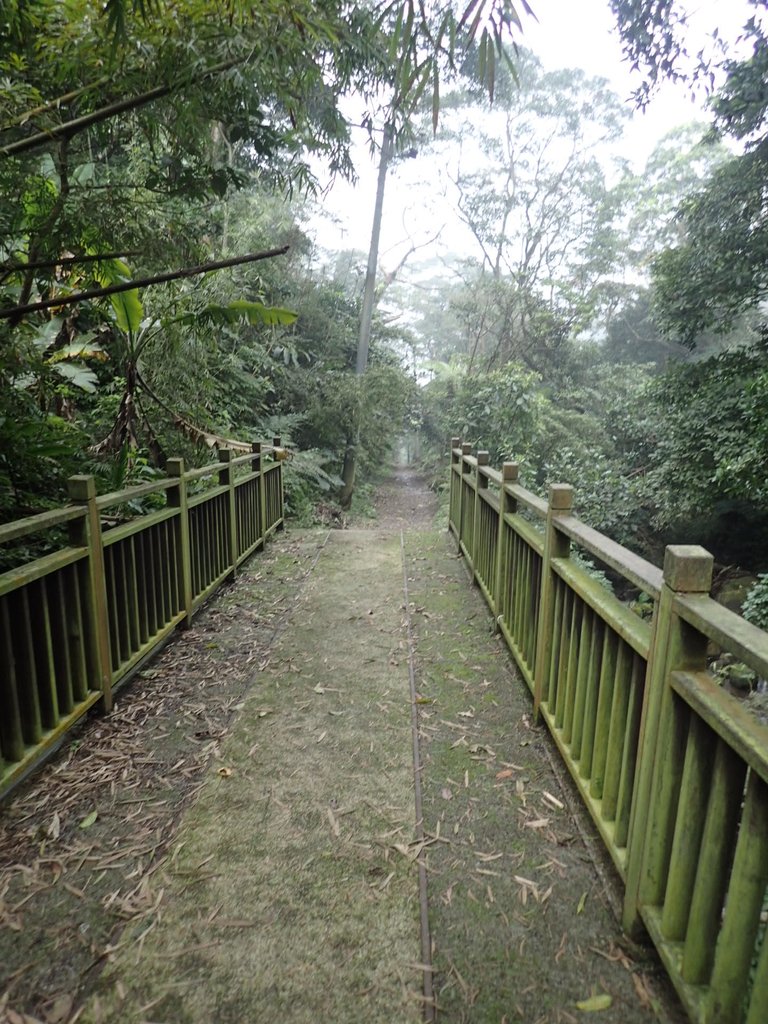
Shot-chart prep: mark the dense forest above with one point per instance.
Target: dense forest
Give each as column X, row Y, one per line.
column 600, row 325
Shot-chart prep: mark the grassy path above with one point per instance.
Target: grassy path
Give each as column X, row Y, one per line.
column 280, row 885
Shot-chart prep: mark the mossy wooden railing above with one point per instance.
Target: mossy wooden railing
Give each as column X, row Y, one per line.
column 77, row 622
column 673, row 769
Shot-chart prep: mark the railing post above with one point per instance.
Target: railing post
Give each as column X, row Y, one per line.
column 510, row 474
column 177, row 498
column 481, row 484
column 259, row 463
column 227, row 479
column 674, row 645
column 556, row 545
column 87, row 533
column 453, row 482
column 466, row 449
column 277, row 442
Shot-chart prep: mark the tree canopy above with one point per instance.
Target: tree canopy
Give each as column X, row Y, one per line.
column 717, row 267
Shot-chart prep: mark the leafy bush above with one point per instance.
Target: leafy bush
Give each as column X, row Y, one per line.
column 755, row 607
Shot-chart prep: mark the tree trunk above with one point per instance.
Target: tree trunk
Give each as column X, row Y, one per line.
column 366, row 316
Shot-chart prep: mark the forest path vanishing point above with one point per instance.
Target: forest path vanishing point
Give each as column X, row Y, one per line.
column 238, row 842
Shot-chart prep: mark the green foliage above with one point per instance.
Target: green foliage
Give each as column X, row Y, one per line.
column 37, row 453
column 755, row 606
column 498, row 411
column 712, row 435
column 721, row 267
column 716, row 268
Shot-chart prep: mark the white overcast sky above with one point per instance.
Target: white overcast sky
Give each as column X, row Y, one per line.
column 569, row 33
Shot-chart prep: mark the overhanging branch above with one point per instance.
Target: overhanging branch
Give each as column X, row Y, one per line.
column 141, row 282
column 79, row 124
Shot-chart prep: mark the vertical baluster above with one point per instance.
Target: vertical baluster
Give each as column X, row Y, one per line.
column 178, row 498
column 556, row 545
column 58, row 611
column 150, row 556
column 580, row 689
column 559, row 667
column 717, row 845
column 141, row 541
column 689, row 827
column 591, row 700
column 29, row 701
column 11, row 729
column 571, row 668
column 629, row 752
column 85, row 672
column 616, row 731
column 132, row 608
column 570, row 659
column 43, row 653
column 123, row 596
column 576, row 680
column 92, row 588
column 674, row 645
column 603, row 715
column 550, row 691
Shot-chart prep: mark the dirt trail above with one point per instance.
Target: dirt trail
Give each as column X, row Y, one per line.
column 254, row 858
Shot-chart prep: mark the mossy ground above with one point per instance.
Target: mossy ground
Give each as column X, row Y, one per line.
column 253, row 856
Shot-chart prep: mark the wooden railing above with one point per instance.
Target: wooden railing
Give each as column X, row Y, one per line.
column 77, row 622
column 673, row 769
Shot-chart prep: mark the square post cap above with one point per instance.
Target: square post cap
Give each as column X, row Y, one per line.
column 560, row 497
column 688, row 568
column 510, row 471
column 81, row 487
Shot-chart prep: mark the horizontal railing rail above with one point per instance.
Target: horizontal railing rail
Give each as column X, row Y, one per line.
column 671, row 767
column 77, row 622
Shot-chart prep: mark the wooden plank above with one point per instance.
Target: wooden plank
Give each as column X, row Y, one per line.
column 194, row 500
column 671, row 953
column 490, row 498
column 117, row 534
column 727, row 629
column 527, row 499
column 632, row 567
column 14, row 579
column 37, row 753
column 633, row 629
column 532, row 536
column 132, row 493
column 43, row 521
column 726, row 716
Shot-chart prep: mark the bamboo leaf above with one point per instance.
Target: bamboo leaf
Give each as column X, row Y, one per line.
column 595, row 1003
